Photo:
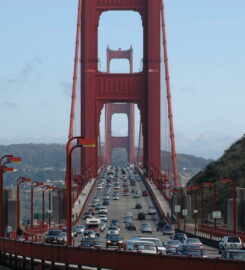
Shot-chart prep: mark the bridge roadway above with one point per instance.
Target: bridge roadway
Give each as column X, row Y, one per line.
column 118, row 208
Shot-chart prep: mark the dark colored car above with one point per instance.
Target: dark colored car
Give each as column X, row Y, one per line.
column 87, row 215
column 130, row 226
column 114, row 240
column 90, row 242
column 138, row 206
column 55, row 237
column 145, row 193
column 160, row 225
column 106, row 202
column 141, row 216
column 115, row 222
column 179, row 236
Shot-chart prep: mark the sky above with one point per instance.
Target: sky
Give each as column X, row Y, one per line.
column 206, row 44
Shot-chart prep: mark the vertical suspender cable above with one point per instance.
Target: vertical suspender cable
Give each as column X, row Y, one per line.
column 74, row 86
column 170, row 113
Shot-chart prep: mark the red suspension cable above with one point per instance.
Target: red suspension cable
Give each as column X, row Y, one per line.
column 170, row 112
column 73, row 98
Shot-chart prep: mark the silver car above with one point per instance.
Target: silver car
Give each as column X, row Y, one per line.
column 146, row 228
column 172, row 246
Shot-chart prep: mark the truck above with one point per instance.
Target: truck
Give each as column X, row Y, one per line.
column 93, row 224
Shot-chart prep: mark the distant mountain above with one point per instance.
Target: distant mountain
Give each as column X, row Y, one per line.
column 48, row 161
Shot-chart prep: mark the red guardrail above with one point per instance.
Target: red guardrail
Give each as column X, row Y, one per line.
column 220, row 232
column 112, row 259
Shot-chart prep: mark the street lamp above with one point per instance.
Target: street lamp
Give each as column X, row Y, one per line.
column 19, row 181
column 231, row 182
column 3, row 169
column 44, row 187
column 211, row 184
column 195, row 211
column 33, row 184
column 81, row 142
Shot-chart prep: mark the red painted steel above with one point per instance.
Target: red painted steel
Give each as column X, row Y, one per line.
column 111, row 108
column 74, row 86
column 170, row 111
column 141, row 88
column 113, row 259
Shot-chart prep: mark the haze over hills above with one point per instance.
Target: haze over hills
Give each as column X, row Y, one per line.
column 47, row 161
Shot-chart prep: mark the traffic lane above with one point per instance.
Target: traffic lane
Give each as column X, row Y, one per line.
column 117, row 209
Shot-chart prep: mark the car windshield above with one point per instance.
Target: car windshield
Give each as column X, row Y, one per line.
column 193, row 240
column 54, row 233
column 146, row 247
column 233, row 240
column 115, row 237
column 168, row 227
column 173, row 242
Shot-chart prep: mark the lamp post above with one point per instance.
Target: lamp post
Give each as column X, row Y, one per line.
column 231, row 182
column 211, row 184
column 49, row 202
column 44, row 187
column 3, row 169
column 19, row 181
column 33, row 184
column 195, row 211
column 81, row 142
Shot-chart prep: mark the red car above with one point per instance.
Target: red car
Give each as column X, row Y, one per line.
column 145, row 193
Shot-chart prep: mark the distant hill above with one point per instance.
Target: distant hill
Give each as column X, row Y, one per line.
column 230, row 165
column 48, row 161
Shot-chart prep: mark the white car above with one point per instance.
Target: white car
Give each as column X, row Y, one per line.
column 156, row 241
column 99, row 186
column 152, row 211
column 103, row 210
column 103, row 217
column 230, row 242
column 136, row 193
column 193, row 241
column 113, row 229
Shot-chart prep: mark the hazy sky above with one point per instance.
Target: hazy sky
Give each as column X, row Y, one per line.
column 206, row 44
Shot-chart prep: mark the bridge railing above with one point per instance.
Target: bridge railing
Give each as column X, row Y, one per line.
column 109, row 259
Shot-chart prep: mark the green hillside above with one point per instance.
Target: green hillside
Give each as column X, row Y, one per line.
column 48, row 161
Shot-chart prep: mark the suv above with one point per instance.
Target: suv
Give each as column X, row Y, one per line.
column 230, row 242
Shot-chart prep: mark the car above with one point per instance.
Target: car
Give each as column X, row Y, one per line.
column 141, row 246
column 136, row 193
column 230, row 242
column 193, row 242
column 113, row 229
column 106, row 202
column 146, row 228
column 152, row 211
column 79, row 229
column 115, row 197
column 138, row 206
column 96, row 199
column 141, row 216
column 156, row 241
column 144, row 193
column 115, row 222
column 233, row 254
column 103, row 225
column 179, row 236
column 172, row 246
column 55, row 237
column 107, row 197
column 168, row 229
column 103, row 217
column 90, row 242
column 89, row 233
column 116, row 186
column 73, row 234
column 161, row 224
column 87, row 215
column 99, row 186
column 128, row 219
column 130, row 226
column 192, row 250
column 103, row 210
column 114, row 239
